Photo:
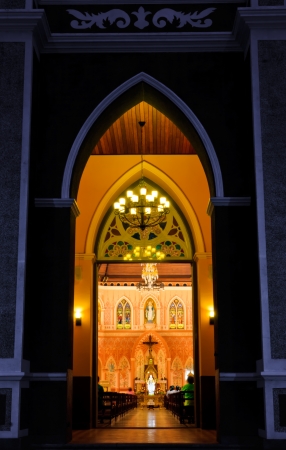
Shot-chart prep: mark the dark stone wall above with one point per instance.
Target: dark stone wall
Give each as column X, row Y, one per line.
column 214, row 86
column 270, row 2
column 11, row 100
column 236, row 292
column 239, row 411
column 48, row 337
column 272, row 69
column 82, row 388
column 48, row 412
column 12, row 4
column 5, row 409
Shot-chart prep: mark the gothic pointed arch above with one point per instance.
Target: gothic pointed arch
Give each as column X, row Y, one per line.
column 141, row 86
column 124, row 372
column 123, row 314
column 138, row 344
column 103, row 228
column 176, row 313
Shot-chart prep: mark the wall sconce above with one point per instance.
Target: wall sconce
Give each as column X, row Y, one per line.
column 78, row 318
column 211, row 316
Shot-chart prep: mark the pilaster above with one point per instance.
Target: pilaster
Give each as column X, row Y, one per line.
column 16, row 79
column 266, row 44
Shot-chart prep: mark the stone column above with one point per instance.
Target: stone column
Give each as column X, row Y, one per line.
column 169, row 372
column 50, row 318
column 83, row 342
column 204, row 343
column 132, row 373
column 17, row 49
column 267, row 51
column 236, row 324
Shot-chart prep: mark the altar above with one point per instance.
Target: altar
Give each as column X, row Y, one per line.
column 140, row 386
column 150, row 401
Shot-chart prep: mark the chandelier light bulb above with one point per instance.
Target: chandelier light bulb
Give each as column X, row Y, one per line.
column 143, row 210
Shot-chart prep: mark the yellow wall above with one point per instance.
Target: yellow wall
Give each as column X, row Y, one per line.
column 100, row 174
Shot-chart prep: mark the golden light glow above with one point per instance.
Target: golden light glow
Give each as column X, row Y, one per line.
column 78, row 314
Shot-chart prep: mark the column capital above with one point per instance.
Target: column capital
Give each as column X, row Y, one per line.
column 204, row 255
column 260, row 19
column 227, row 201
column 58, row 203
column 18, row 23
column 85, row 256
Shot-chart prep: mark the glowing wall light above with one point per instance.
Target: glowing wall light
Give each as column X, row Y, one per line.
column 78, row 317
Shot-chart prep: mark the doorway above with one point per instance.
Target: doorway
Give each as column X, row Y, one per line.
column 114, row 165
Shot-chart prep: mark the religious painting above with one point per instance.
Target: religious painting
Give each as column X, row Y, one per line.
column 150, row 311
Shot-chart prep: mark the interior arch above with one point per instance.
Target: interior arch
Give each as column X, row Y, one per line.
column 161, row 179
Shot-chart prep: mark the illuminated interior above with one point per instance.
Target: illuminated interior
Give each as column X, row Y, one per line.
column 171, row 165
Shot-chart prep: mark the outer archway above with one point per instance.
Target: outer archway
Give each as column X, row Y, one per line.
column 132, row 174
column 204, row 146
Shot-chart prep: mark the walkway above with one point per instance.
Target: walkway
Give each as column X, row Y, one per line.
column 143, row 426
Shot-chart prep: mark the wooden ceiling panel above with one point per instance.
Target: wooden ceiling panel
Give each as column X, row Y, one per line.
column 158, row 136
column 131, row 273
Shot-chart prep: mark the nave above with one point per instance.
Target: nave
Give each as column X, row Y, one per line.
column 143, row 426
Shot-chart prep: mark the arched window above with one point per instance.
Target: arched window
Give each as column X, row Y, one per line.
column 176, row 315
column 123, row 315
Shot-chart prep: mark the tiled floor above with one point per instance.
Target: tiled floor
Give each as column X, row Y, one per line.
column 142, row 426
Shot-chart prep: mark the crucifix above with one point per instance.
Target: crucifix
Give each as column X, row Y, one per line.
column 150, row 343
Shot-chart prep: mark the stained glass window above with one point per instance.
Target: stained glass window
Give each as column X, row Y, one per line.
column 123, row 315
column 176, row 315
column 119, row 241
column 120, row 316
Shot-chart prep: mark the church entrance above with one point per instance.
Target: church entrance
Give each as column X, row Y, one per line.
column 118, row 311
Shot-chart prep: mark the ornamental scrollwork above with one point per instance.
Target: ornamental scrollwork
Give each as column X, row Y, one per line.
column 101, row 20
column 197, row 19
column 121, row 19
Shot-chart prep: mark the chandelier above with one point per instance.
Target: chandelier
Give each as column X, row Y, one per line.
column 143, row 210
column 147, row 252
column 140, row 209
column 150, row 276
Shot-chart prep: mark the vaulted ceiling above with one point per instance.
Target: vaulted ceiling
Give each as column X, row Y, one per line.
column 169, row 273
column 158, row 135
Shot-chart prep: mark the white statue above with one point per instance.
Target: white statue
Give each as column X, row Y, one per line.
column 151, row 385
column 150, row 311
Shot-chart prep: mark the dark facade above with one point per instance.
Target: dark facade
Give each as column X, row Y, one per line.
column 58, row 63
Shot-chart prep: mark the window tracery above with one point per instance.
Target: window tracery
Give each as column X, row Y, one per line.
column 176, row 315
column 123, row 315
